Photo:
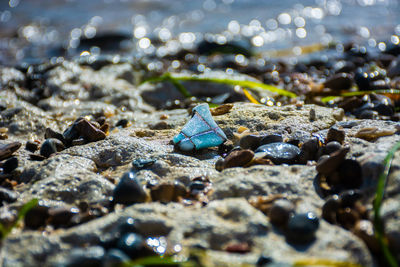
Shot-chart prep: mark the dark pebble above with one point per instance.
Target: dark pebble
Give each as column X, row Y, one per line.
column 302, row 227
column 122, row 123
column 280, row 153
column 51, row 146
column 225, row 148
column 37, row 157
column 87, row 257
column 350, row 174
column 350, row 197
column 197, row 185
column 6, row 150
column 10, row 165
column 336, row 134
column 88, row 131
column 36, row 217
column 347, row 217
column 363, row 81
column 129, row 225
column 340, row 81
column 7, row 195
column 280, row 212
column 309, row 150
column 61, row 216
column 238, row 158
column 330, row 208
column 167, row 192
column 129, row 190
column 329, row 164
column 250, row 141
column 263, row 260
column 219, row 164
column 131, row 244
column 114, row 257
column 368, row 114
column 332, row 147
column 78, row 142
column 140, row 164
column 50, row 133
column 383, row 108
column 271, row 138
column 162, row 125
column 31, row 146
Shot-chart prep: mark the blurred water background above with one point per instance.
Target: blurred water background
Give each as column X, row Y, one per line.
column 37, row 30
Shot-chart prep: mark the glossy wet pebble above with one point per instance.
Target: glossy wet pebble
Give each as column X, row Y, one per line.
column 140, row 164
column 129, row 190
column 271, row 138
column 330, row 208
column 302, row 227
column 51, row 146
column 131, row 244
column 280, row 153
column 280, row 212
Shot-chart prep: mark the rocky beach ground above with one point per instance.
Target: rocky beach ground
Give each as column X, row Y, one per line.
column 94, row 148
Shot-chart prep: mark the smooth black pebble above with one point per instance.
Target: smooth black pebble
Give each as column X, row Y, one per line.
column 280, row 153
column 302, row 227
column 129, row 190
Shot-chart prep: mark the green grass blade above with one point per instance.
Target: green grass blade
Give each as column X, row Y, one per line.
column 357, row 93
column 21, row 214
column 257, row 86
column 380, row 192
column 253, row 85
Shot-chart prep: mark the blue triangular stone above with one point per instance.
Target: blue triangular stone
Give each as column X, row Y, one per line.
column 200, row 131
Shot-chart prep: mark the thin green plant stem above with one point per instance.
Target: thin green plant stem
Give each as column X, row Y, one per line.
column 21, row 214
column 255, row 86
column 356, row 93
column 380, row 192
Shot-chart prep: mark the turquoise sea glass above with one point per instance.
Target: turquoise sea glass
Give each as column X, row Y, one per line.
column 200, row 131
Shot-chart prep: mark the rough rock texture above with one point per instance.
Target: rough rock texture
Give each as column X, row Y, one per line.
column 89, row 172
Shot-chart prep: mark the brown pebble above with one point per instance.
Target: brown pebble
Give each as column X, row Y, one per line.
column 164, row 117
column 105, row 127
column 50, row 133
column 331, row 163
column 36, row 157
column 32, row 146
column 167, row 192
column 238, row 158
column 347, row 217
column 240, row 248
column 6, row 150
column 89, row 131
column 162, row 125
column 372, row 133
column 364, row 229
column 221, row 110
column 280, row 212
column 336, row 134
column 61, row 216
